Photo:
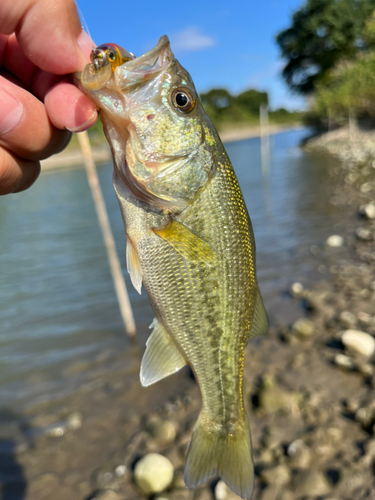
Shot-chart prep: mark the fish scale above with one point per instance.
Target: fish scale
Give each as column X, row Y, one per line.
column 190, row 243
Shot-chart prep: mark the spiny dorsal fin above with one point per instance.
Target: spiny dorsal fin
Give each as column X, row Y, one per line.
column 161, row 357
column 186, row 243
column 260, row 320
column 134, row 266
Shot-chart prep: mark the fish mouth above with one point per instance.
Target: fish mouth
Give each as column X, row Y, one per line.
column 133, row 72
column 145, row 67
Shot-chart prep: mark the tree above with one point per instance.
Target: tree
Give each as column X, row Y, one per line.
column 217, row 99
column 322, row 33
column 251, row 100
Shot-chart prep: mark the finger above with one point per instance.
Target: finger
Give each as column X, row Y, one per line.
column 68, row 107
column 16, row 174
column 49, row 32
column 25, row 128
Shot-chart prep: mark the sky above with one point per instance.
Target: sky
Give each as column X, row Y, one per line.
column 223, row 44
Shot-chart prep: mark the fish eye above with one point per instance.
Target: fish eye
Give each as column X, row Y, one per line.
column 111, row 55
column 183, row 100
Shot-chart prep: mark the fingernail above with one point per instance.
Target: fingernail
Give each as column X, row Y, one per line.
column 85, row 125
column 86, row 44
column 11, row 111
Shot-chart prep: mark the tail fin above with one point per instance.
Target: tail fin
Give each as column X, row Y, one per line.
column 213, row 452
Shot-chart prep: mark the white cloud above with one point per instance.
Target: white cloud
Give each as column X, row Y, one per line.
column 191, row 39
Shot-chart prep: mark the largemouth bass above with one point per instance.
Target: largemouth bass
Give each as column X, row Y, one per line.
column 189, row 242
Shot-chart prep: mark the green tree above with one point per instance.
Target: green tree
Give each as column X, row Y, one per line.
column 251, row 100
column 322, row 33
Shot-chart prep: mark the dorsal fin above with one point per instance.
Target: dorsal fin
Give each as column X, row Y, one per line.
column 161, row 357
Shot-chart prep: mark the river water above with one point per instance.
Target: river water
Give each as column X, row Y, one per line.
column 59, row 319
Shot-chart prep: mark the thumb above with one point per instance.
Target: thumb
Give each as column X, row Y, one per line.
column 49, row 32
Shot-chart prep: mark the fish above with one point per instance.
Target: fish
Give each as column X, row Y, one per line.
column 190, row 244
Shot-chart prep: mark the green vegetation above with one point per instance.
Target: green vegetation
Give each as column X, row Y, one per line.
column 228, row 111
column 330, row 57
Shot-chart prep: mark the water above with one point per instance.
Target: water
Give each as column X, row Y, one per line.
column 59, row 319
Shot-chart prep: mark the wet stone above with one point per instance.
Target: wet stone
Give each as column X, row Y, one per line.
column 153, row 473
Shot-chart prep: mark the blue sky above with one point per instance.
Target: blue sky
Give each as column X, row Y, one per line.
column 228, row 44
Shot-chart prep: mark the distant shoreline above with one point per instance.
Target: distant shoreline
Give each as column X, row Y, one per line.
column 72, row 157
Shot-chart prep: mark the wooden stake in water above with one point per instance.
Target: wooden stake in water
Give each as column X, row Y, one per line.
column 109, row 242
column 264, row 140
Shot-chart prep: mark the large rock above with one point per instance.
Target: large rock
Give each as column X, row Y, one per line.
column 153, row 473
column 357, row 341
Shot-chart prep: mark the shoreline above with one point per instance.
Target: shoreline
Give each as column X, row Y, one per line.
column 73, row 158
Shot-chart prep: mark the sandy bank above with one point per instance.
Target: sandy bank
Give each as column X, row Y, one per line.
column 72, row 157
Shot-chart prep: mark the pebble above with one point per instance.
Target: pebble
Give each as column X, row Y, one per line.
column 299, row 454
column 335, row 241
column 310, row 483
column 370, row 448
column 364, row 234
column 347, row 319
column 365, row 416
column 278, row 476
column 303, row 328
column 164, row 432
column 105, row 495
column 296, row 290
column 343, row 361
column 368, row 210
column 358, row 341
column 223, row 492
column 271, row 398
column 153, row 473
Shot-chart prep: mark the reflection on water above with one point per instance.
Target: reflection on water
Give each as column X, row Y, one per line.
column 58, row 312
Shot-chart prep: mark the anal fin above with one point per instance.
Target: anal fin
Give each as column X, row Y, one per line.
column 161, row 358
column 133, row 266
column 186, row 243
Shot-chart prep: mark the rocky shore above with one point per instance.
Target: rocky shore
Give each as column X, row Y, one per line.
column 349, row 144
column 309, row 394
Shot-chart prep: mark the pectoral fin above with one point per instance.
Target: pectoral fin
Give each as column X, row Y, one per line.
column 260, row 320
column 161, row 357
column 134, row 266
column 186, row 243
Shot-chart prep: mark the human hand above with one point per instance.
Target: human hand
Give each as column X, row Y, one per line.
column 41, row 42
